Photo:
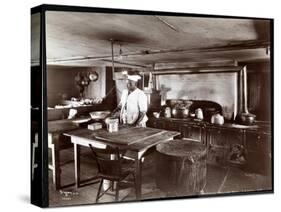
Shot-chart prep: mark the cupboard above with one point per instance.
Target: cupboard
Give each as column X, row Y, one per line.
column 228, row 145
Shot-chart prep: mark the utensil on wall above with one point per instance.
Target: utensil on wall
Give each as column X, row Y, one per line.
column 83, row 79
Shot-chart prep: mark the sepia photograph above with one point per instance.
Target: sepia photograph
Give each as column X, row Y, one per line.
column 142, row 105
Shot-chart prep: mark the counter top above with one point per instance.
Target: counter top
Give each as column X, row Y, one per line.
column 258, row 126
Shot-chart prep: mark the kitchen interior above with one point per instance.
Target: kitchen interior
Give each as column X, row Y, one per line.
column 207, row 81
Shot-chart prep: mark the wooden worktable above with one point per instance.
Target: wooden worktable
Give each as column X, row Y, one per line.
column 134, row 139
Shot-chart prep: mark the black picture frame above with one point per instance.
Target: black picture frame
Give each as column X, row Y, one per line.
column 40, row 184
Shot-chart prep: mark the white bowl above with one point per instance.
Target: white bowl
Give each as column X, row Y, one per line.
column 81, row 120
column 99, row 114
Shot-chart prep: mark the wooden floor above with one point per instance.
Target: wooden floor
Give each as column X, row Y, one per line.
column 219, row 180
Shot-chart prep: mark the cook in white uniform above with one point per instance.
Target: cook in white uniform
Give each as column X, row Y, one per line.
column 133, row 103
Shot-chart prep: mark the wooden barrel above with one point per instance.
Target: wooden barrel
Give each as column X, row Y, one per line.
column 181, row 167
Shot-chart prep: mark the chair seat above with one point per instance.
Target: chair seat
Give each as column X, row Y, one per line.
column 113, row 167
column 127, row 167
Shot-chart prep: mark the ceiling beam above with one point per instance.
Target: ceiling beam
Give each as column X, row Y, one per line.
column 166, row 23
column 128, row 64
column 198, row 70
column 106, row 62
column 232, row 47
column 204, row 63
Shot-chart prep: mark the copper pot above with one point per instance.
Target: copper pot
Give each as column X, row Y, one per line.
column 185, row 112
column 180, row 112
column 247, row 118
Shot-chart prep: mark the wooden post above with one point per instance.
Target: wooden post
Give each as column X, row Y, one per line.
column 112, row 58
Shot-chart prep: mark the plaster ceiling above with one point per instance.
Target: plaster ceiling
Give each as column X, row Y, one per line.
column 83, row 39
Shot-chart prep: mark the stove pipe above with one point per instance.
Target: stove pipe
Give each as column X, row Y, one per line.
column 244, row 117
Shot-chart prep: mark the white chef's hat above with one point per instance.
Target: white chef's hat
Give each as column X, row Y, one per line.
column 134, row 77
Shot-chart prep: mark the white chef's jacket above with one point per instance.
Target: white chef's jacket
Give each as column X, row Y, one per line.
column 132, row 104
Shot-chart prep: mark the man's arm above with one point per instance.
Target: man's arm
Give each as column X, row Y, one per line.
column 117, row 109
column 142, row 103
column 141, row 116
column 119, row 106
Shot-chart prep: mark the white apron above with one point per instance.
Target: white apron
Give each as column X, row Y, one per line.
column 132, row 104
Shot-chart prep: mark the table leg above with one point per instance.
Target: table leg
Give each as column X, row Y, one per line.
column 56, row 161
column 77, row 164
column 138, row 176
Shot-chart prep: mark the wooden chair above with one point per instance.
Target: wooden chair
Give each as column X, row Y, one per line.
column 112, row 167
